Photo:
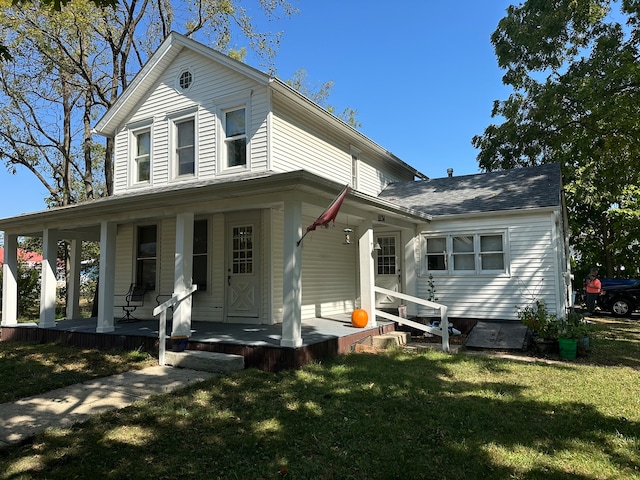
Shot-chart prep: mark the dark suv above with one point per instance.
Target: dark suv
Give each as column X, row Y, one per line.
column 620, row 297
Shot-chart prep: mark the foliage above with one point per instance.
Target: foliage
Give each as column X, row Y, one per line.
column 28, row 280
column 319, row 94
column 538, row 320
column 329, row 419
column 575, row 75
column 71, row 62
column 431, row 289
column 575, row 326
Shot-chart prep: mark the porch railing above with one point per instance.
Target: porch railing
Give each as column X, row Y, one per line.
column 162, row 311
column 441, row 330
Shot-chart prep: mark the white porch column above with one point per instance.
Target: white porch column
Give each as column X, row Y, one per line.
column 367, row 274
column 106, row 279
column 10, row 281
column 48, row 278
column 183, row 273
column 292, row 276
column 409, row 274
column 73, row 282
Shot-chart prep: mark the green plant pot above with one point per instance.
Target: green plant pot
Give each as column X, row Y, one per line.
column 568, row 348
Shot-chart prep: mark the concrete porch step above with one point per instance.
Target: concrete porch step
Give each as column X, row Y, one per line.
column 391, row 340
column 205, row 361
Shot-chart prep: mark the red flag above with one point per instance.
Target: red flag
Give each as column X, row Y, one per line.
column 329, row 215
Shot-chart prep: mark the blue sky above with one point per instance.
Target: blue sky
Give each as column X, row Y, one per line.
column 421, row 74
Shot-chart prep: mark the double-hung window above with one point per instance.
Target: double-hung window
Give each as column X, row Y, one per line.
column 185, row 141
column 146, row 256
column 235, row 138
column 142, row 156
column 200, row 253
column 465, row 254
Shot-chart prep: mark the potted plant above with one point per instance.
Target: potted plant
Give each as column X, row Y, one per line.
column 574, row 333
column 543, row 326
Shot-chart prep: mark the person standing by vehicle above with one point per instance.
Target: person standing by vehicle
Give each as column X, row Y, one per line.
column 593, row 287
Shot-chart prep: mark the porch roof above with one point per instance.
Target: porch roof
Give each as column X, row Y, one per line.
column 243, row 191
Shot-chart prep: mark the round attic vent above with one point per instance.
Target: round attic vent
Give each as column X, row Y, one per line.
column 185, row 79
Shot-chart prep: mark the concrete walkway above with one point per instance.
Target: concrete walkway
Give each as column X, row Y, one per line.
column 62, row 408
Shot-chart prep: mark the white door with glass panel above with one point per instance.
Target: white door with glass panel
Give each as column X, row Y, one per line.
column 243, row 272
column 388, row 269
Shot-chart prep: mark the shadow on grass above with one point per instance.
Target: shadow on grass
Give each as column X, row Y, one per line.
column 359, row 416
column 33, row 368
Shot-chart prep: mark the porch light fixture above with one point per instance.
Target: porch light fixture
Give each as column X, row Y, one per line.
column 376, row 246
column 347, row 236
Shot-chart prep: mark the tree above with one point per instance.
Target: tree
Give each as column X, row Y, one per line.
column 70, row 63
column 575, row 75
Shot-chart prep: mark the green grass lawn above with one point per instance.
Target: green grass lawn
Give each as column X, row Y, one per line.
column 398, row 415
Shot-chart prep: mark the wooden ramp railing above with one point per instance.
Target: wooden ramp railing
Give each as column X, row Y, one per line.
column 441, row 330
column 162, row 311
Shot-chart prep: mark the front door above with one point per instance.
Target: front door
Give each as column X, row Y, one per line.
column 243, row 270
column 388, row 271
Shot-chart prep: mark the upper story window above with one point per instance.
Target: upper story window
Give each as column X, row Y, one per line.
column 142, row 156
column 355, row 160
column 235, row 138
column 461, row 254
column 183, row 129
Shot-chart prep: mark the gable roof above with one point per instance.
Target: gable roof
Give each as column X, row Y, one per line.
column 505, row 190
column 176, row 43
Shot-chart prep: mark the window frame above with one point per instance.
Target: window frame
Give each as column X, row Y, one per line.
column 227, row 139
column 449, row 255
column 134, row 131
column 141, row 260
column 223, row 106
column 201, row 258
column 175, row 120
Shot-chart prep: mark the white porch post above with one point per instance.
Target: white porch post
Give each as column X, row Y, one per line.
column 107, row 277
column 10, row 281
column 183, row 273
column 409, row 273
column 292, row 276
column 48, row 280
column 367, row 275
column 73, row 282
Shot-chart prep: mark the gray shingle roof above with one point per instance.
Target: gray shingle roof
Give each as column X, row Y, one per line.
column 520, row 188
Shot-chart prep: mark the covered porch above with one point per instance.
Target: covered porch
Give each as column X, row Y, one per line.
column 260, row 345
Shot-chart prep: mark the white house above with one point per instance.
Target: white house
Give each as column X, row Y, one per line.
column 219, row 169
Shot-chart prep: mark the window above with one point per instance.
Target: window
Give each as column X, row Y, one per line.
column 465, row 253
column 200, row 257
column 355, row 157
column 185, row 146
column 235, row 138
column 492, row 252
column 242, row 250
column 146, row 256
column 185, row 80
column 142, row 156
column 387, row 259
column 436, row 253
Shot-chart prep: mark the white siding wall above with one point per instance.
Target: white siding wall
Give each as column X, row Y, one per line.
column 532, row 273
column 330, row 272
column 303, row 142
column 212, row 85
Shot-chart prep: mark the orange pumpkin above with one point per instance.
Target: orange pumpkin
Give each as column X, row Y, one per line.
column 359, row 318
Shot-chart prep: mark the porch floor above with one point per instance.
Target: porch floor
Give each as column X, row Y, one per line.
column 259, row 344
